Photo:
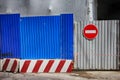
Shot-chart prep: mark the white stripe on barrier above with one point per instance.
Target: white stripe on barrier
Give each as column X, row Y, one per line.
column 55, row 65
column 0, row 64
column 31, row 65
column 45, row 62
column 10, row 65
column 65, row 67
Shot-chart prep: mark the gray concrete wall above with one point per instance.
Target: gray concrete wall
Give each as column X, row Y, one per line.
column 45, row 7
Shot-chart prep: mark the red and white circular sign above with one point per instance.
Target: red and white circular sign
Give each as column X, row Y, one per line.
column 90, row 31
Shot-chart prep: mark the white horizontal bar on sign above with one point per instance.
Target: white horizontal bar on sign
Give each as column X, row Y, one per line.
column 90, row 31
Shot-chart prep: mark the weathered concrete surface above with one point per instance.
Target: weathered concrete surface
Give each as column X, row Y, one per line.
column 79, row 75
column 39, row 76
column 99, row 75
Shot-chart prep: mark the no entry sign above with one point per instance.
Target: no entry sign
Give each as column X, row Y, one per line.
column 90, row 31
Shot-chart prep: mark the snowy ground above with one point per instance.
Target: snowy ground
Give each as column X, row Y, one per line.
column 79, row 75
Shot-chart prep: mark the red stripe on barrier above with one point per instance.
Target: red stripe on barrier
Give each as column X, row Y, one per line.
column 5, row 64
column 49, row 66
column 60, row 66
column 25, row 66
column 37, row 66
column 14, row 66
column 70, row 67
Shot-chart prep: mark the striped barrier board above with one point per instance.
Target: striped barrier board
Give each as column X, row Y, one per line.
column 0, row 64
column 11, row 65
column 35, row 66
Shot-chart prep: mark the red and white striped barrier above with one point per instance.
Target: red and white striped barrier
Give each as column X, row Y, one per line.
column 36, row 66
column 11, row 65
column 0, row 64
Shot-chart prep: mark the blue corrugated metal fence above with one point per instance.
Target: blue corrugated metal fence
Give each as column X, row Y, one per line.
column 37, row 37
column 9, row 36
column 47, row 37
column 40, row 37
column 66, row 36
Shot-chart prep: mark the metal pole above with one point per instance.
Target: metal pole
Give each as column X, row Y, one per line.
column 92, row 15
column 92, row 9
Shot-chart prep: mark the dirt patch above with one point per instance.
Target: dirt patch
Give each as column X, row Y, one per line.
column 84, row 75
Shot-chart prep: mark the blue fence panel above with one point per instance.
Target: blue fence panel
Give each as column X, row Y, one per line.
column 10, row 37
column 67, row 36
column 47, row 37
column 40, row 37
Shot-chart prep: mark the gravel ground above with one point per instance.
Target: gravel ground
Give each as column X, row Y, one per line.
column 78, row 75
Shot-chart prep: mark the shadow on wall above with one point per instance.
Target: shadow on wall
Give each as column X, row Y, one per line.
column 4, row 55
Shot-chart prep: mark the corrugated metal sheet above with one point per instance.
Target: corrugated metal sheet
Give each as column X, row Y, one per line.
column 66, row 36
column 101, row 53
column 42, row 37
column 9, row 34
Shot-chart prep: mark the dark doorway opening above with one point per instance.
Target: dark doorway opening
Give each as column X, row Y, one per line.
column 108, row 10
